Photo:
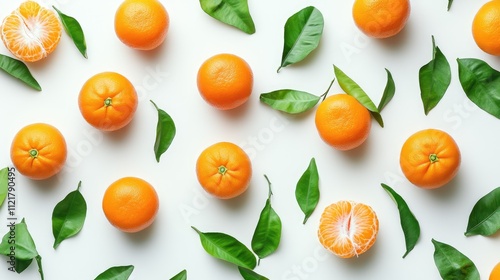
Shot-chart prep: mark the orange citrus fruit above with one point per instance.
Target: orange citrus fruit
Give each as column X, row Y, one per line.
column 225, row 81
column 342, row 122
column 495, row 273
column 31, row 32
column 130, row 204
column 381, row 18
column 486, row 27
column 141, row 24
column 430, row 158
column 348, row 228
column 38, row 151
column 108, row 101
column 224, row 170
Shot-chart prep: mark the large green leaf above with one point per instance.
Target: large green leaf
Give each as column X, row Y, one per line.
column 248, row 274
column 389, row 91
column 452, row 264
column 19, row 70
column 232, row 12
column 484, row 218
column 116, row 273
column 74, row 30
column 290, row 101
column 307, row 190
column 165, row 132
column 180, row 276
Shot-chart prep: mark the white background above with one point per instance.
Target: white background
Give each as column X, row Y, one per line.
column 279, row 145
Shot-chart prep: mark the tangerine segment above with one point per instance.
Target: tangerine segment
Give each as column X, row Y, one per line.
column 348, row 228
column 31, row 32
column 381, row 18
column 430, row 158
column 130, row 204
column 224, row 170
column 108, row 101
column 486, row 28
column 38, row 151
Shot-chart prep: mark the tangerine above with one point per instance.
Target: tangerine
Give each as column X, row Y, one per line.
column 381, row 18
column 486, row 28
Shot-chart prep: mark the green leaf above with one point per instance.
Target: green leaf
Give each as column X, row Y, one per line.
column 481, row 84
column 232, row 12
column 74, row 30
column 68, row 216
column 227, row 248
column 303, row 32
column 267, row 235
column 19, row 70
column 21, row 265
column 353, row 89
column 165, row 132
column 290, row 101
column 484, row 218
column 4, row 184
column 450, row 2
column 409, row 223
column 452, row 264
column 389, row 91
column 25, row 248
column 180, row 276
column 248, row 274
column 307, row 190
column 116, row 273
column 434, row 79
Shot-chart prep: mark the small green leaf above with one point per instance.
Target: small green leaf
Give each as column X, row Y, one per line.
column 227, row 248
column 303, row 32
column 248, row 274
column 481, row 84
column 290, row 101
column 450, row 2
column 180, row 276
column 21, row 265
column 409, row 223
column 19, row 70
column 267, row 235
column 484, row 218
column 434, row 79
column 232, row 12
column 307, row 190
column 4, row 184
column 353, row 89
column 74, row 30
column 68, row 216
column 452, row 264
column 116, row 273
column 389, row 91
column 25, row 246
column 165, row 132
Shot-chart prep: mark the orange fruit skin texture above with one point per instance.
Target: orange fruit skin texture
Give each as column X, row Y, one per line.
column 381, row 18
column 417, row 165
column 141, row 24
column 224, row 170
column 495, row 273
column 225, row 81
column 348, row 228
column 342, row 122
column 130, row 204
column 108, row 101
column 50, row 146
column 31, row 32
column 486, row 28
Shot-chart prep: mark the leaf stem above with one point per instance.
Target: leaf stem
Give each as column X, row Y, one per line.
column 79, row 185
column 269, row 184
column 327, row 90
column 154, row 105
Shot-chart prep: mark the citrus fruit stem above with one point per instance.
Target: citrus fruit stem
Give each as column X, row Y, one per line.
column 107, row 102
column 433, row 158
column 327, row 90
column 33, row 153
column 222, row 170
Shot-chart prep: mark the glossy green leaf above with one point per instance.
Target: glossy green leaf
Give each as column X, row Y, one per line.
column 165, row 132
column 353, row 89
column 116, row 273
column 4, row 184
column 307, row 190
column 389, row 91
column 290, row 101
column 19, row 70
column 267, row 235
column 248, row 274
column 409, row 224
column 180, row 276
column 225, row 247
column 21, row 265
column 452, row 264
column 450, row 2
column 481, row 84
column 434, row 79
column 484, row 218
column 303, row 32
column 68, row 216
column 74, row 30
column 24, row 245
column 232, row 12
